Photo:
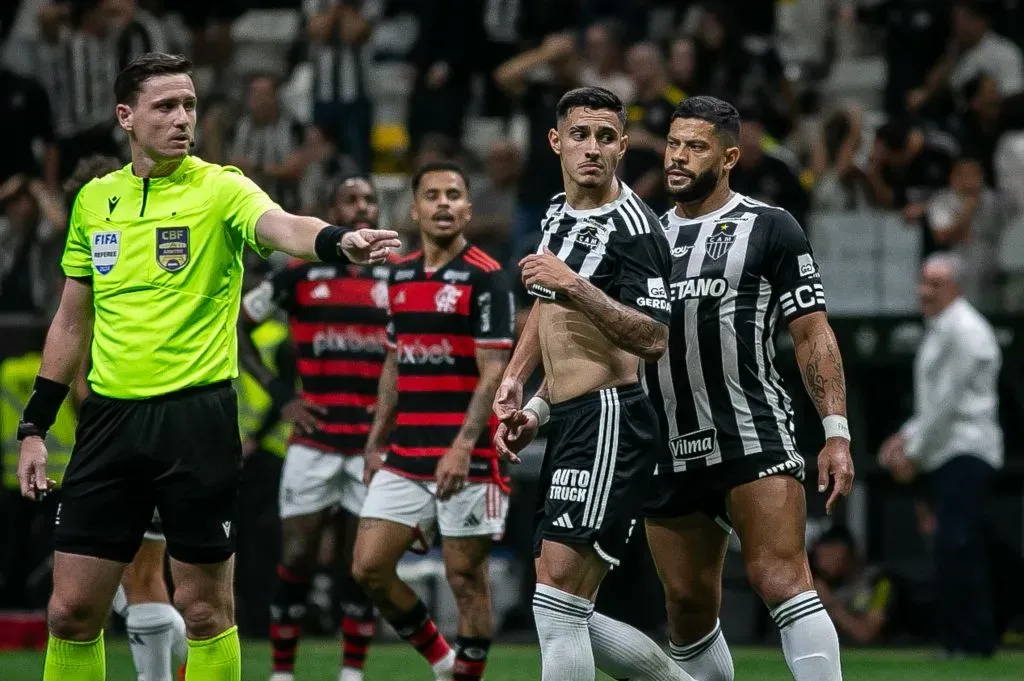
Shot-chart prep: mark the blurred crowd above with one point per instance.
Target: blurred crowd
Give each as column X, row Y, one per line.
column 379, row 86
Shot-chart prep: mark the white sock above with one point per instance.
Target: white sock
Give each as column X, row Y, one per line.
column 120, row 605
column 444, row 669
column 708, row 659
column 151, row 639
column 349, row 674
column 622, row 651
column 809, row 639
column 565, row 650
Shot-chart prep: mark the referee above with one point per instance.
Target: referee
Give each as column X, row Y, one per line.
column 154, row 276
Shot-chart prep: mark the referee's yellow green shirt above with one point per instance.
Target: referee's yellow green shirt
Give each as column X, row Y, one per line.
column 165, row 258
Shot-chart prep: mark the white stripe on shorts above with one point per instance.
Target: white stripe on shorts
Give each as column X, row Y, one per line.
column 602, row 472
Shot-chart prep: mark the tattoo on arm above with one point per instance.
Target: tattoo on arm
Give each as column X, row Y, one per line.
column 526, row 356
column 387, row 404
column 822, row 370
column 491, row 364
column 628, row 329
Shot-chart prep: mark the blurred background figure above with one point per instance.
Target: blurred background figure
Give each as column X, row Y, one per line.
column 955, row 438
column 859, row 598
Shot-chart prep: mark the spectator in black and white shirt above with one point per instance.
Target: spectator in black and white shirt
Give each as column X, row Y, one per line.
column 338, row 32
column 267, row 143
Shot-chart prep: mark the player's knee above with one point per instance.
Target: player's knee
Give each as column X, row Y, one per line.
column 298, row 553
column 692, row 597
column 74, row 619
column 371, row 574
column 204, row 618
column 469, row 585
column 778, row 578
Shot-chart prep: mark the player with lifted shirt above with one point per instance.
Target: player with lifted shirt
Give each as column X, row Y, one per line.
column 599, row 276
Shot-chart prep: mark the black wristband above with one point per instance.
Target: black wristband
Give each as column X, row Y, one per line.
column 328, row 244
column 43, row 405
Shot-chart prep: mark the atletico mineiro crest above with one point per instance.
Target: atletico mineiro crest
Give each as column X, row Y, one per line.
column 721, row 240
column 172, row 248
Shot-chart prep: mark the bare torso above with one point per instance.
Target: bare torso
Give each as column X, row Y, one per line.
column 578, row 358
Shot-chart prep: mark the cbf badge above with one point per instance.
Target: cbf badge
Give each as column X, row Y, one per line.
column 172, row 252
column 106, row 247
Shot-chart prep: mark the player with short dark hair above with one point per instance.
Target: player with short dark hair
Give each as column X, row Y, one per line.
column 731, row 460
column 449, row 338
column 154, row 274
column 599, row 279
column 338, row 319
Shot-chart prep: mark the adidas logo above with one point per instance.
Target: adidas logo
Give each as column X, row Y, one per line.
column 226, row 525
column 321, row 292
column 472, row 521
column 563, row 521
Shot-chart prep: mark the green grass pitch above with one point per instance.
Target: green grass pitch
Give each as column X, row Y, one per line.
column 318, row 661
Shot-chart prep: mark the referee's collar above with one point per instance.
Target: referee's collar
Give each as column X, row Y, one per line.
column 729, row 205
column 186, row 163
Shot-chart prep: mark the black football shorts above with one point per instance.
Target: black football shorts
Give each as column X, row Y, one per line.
column 704, row 490
column 178, row 453
column 600, row 455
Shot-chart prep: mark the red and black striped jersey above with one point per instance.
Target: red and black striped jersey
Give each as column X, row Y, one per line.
column 437, row 321
column 338, row 318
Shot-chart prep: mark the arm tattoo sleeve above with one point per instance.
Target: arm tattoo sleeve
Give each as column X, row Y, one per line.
column 628, row 329
column 822, row 371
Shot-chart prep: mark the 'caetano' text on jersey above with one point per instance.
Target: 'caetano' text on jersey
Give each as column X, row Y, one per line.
column 438, row 320
column 716, row 390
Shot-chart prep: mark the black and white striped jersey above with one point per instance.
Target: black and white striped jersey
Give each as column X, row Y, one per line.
column 619, row 247
column 716, row 389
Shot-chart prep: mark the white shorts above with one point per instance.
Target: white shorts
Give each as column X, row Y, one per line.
column 477, row 510
column 313, row 480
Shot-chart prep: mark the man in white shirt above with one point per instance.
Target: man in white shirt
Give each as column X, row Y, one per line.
column 954, row 436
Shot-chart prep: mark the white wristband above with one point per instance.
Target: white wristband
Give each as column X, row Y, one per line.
column 540, row 408
column 836, row 426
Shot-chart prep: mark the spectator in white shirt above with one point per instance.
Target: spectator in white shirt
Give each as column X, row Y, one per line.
column 955, row 438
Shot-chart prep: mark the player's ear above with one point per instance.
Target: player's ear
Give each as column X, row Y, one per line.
column 413, row 212
column 124, row 117
column 732, row 157
column 555, row 141
column 623, row 144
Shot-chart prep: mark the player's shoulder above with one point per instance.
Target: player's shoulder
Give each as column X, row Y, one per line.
column 212, row 177
column 633, row 217
column 479, row 262
column 768, row 217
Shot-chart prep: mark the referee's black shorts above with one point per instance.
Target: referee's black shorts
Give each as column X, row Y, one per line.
column 179, row 453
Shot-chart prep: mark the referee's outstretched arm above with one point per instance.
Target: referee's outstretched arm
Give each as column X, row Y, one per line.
column 67, row 342
column 313, row 239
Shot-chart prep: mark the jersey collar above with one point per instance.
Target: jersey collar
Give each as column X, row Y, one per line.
column 624, row 193
column 186, row 164
column 734, row 200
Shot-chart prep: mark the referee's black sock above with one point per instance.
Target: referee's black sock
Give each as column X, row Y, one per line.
column 287, row 611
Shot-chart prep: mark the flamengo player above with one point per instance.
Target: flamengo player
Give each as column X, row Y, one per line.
column 338, row 318
column 600, row 274
column 731, row 460
column 450, row 335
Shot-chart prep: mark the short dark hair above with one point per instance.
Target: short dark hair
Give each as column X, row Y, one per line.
column 129, row 82
column 437, row 167
column 355, row 177
column 719, row 113
column 596, row 98
column 894, row 134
